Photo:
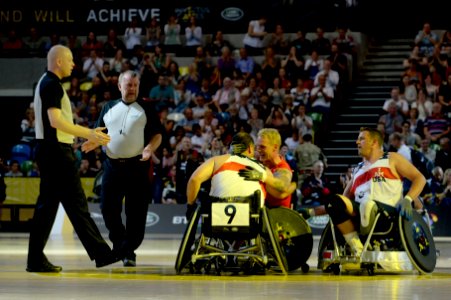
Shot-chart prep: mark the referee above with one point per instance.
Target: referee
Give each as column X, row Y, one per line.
column 136, row 133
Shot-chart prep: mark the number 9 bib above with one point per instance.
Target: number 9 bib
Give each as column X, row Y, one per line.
column 230, row 214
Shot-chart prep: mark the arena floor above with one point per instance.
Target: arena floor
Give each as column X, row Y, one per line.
column 155, row 277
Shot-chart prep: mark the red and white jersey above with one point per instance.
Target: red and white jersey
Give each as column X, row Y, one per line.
column 227, row 183
column 376, row 182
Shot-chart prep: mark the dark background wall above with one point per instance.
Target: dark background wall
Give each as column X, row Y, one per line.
column 380, row 17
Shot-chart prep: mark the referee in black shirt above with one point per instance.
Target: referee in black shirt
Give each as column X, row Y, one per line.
column 60, row 182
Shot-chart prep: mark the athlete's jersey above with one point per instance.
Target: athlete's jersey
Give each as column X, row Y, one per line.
column 227, row 183
column 376, row 182
column 273, row 201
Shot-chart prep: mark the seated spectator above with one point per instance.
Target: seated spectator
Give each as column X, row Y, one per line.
column 401, row 104
column 226, row 63
column 245, row 63
column 276, row 93
column 53, row 39
column 163, row 93
column 192, row 79
column 85, row 169
column 345, row 178
column 209, row 123
column 339, row 63
column 188, row 121
column 92, row 43
column 434, row 187
column 278, row 120
column 303, row 45
column 172, row 42
column 293, row 65
column 203, row 62
column 443, row 155
column 117, row 61
column 315, row 187
column 332, row 77
column 153, row 34
column 293, row 141
column 132, row 35
column 345, row 42
column 279, row 41
column 214, row 148
column 426, row 40
column 437, row 125
column 255, row 122
column 28, row 128
column 445, row 43
column 427, row 150
column 444, row 96
column 214, row 48
column 34, row 42
column 321, row 44
column 270, row 65
column 321, row 97
column 92, row 65
column 444, row 200
column 301, row 122
column 198, row 138
column 112, row 44
column 193, row 35
column 14, row 170
column 392, row 120
column 301, row 93
column 13, row 44
column 412, row 139
column 408, row 89
column 313, row 64
column 422, row 105
column 226, row 96
column 200, row 107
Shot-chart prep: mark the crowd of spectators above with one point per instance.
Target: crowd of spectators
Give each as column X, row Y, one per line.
column 417, row 116
column 296, row 87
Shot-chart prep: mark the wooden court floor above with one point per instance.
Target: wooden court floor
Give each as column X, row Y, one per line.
column 155, row 277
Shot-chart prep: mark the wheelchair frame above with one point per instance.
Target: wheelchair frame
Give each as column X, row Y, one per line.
column 254, row 250
column 405, row 254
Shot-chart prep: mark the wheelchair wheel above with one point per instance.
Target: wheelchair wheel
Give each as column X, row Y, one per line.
column 418, row 242
column 275, row 246
column 295, row 236
column 185, row 250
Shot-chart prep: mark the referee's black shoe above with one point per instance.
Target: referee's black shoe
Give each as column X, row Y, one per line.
column 44, row 267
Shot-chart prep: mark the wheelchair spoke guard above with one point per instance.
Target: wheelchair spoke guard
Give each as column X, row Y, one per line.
column 185, row 249
column 295, row 236
column 276, row 250
column 418, row 242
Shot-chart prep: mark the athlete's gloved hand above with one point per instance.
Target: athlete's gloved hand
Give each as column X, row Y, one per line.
column 190, row 209
column 251, row 174
column 405, row 208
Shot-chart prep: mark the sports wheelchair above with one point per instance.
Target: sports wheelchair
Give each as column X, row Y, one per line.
column 238, row 235
column 391, row 243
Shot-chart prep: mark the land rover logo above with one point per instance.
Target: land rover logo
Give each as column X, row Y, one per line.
column 152, row 219
column 232, row 14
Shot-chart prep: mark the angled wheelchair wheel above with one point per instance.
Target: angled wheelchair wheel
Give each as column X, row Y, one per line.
column 295, row 236
column 189, row 236
column 418, row 242
column 325, row 242
column 276, row 248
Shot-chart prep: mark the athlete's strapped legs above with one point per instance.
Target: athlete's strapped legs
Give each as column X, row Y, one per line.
column 342, row 210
